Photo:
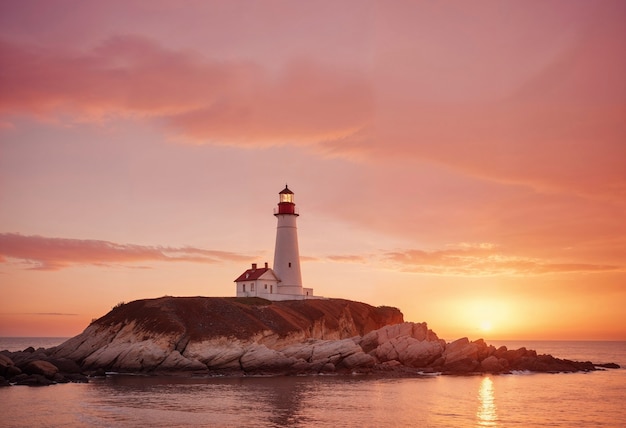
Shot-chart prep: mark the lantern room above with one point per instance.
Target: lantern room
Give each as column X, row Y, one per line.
column 285, row 203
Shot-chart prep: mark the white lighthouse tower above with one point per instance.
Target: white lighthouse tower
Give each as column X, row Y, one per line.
column 286, row 253
column 284, row 280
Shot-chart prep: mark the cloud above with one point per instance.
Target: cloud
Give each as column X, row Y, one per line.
column 482, row 261
column 492, row 101
column 52, row 314
column 348, row 258
column 206, row 101
column 42, row 253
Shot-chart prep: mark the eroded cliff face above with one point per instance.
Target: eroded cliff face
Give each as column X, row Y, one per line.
column 208, row 333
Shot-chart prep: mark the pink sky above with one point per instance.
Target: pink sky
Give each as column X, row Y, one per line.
column 463, row 161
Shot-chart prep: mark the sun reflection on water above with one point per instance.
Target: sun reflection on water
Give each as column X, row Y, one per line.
column 487, row 412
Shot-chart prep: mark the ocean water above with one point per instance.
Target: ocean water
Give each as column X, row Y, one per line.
column 595, row 399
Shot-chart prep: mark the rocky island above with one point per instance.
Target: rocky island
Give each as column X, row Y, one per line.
column 253, row 336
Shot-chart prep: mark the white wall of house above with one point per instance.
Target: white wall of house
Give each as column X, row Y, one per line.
column 264, row 286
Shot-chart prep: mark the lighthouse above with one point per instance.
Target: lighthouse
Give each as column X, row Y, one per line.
column 286, row 252
column 284, row 280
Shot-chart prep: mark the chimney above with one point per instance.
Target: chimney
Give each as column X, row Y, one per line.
column 253, row 266
column 265, row 265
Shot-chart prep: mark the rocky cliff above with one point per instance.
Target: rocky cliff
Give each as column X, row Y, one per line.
column 208, row 333
column 239, row 336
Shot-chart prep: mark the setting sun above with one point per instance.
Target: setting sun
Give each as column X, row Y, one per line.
column 485, row 326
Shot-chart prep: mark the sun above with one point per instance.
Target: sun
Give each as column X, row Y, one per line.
column 485, row 325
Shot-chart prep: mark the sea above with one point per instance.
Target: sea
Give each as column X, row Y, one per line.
column 595, row 399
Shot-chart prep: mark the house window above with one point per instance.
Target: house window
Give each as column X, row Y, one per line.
column 271, row 289
column 244, row 288
column 252, row 287
column 289, row 264
column 266, row 286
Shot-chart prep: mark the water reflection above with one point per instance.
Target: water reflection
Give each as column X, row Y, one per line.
column 276, row 401
column 487, row 411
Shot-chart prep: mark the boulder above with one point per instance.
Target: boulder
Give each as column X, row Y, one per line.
column 21, row 358
column 493, row 364
column 460, row 349
column 5, row 363
column 12, row 371
column 301, row 351
column 217, row 353
column 65, row 365
column 40, row 367
column 259, row 358
column 421, row 354
column 464, row 365
column 32, row 380
column 358, row 360
column 412, row 344
column 483, row 349
column 333, row 351
column 609, row 365
column 175, row 361
column 417, row 331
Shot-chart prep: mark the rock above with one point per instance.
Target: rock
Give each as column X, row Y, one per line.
column 513, row 355
column 5, row 363
column 21, row 358
column 376, row 338
column 261, row 358
column 358, row 360
column 460, row 349
column 464, row 365
column 217, row 353
column 421, row 354
column 65, row 365
column 175, row 361
column 461, row 356
column 327, row 368
column 256, row 336
column 76, row 378
column 12, row 371
column 493, row 364
column 40, row 367
column 32, row 380
column 412, row 344
column 333, row 351
column 301, row 351
column 609, row 365
column 100, row 372
column 183, row 333
column 483, row 349
column 59, row 378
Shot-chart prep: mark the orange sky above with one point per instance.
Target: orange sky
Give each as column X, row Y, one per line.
column 463, row 161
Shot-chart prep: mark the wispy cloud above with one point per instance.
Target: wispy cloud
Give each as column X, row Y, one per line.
column 348, row 258
column 44, row 314
column 468, row 259
column 204, row 100
column 43, row 253
column 546, row 139
column 482, row 261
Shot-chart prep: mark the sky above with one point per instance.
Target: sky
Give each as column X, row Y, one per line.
column 462, row 161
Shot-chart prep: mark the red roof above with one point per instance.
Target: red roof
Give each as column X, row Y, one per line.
column 286, row 191
column 252, row 274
